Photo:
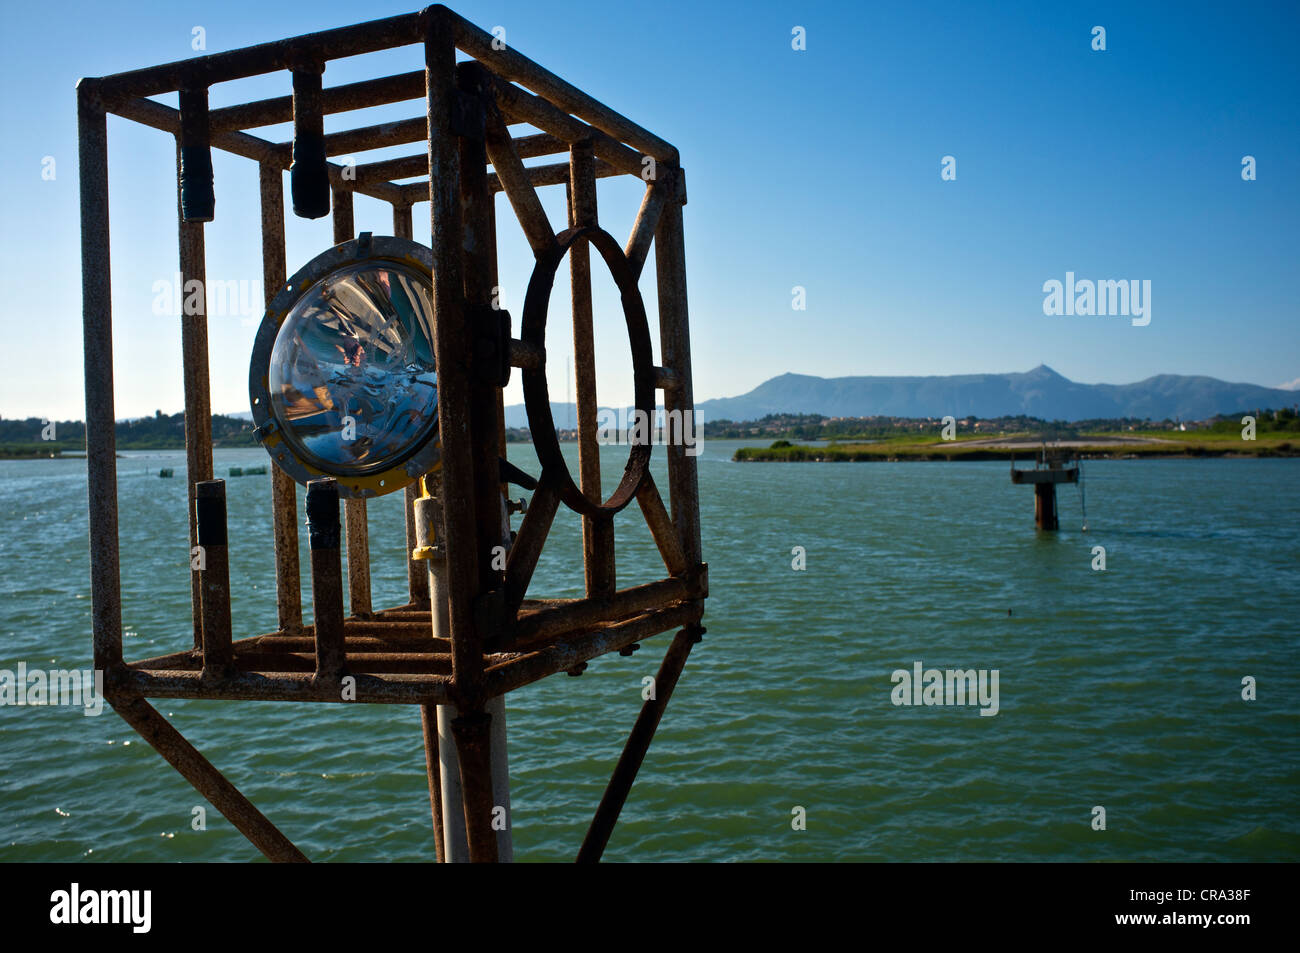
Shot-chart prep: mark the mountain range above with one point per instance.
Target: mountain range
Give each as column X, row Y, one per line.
column 1041, row 392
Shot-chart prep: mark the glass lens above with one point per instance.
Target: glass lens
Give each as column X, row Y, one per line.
column 352, row 377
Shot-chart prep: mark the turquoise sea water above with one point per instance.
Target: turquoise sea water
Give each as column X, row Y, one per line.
column 1119, row 689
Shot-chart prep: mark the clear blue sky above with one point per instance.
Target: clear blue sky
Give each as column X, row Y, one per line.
column 818, row 168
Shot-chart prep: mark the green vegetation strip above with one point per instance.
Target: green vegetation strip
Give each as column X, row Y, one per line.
column 929, row 449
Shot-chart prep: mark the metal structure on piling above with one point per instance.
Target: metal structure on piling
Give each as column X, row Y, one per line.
column 1050, row 468
column 495, row 637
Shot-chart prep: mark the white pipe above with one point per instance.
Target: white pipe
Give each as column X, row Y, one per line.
column 455, row 838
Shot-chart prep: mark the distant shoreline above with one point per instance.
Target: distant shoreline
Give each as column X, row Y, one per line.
column 886, row 452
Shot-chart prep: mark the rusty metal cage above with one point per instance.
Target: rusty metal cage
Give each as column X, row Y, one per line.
column 498, row 639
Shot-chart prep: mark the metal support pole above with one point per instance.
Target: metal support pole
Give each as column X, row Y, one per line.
column 417, row 579
column 284, row 491
column 198, row 402
column 442, row 739
column 452, row 343
column 326, row 578
column 355, row 522
column 675, row 343
column 638, row 743
column 433, row 766
column 214, row 571
column 207, row 780
column 97, row 319
column 597, row 532
column 462, row 440
column 471, row 777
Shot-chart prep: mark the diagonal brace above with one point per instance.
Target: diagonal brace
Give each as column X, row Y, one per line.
column 638, row 743
column 207, row 780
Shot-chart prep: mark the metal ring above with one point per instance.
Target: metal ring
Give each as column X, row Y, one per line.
column 537, row 398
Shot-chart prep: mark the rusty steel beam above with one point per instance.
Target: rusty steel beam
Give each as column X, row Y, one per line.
column 269, row 662
column 473, row 733
column 494, row 281
column 326, row 579
column 418, row 591
column 556, row 173
column 97, row 323
column 342, row 218
column 194, row 362
column 370, row 37
column 638, row 743
column 379, row 136
column 666, row 379
column 356, row 524
column 417, row 578
column 480, row 291
column 214, row 68
column 334, row 99
column 661, row 527
column 647, row 219
column 417, row 628
column 253, row 648
column 164, row 118
column 513, row 176
column 527, row 547
column 539, row 144
column 188, row 660
column 404, row 641
column 520, row 106
column 486, row 339
column 403, row 167
column 403, row 613
column 513, row 65
column 571, row 652
column 214, row 573
column 291, row 687
column 433, row 768
column 523, row 354
column 424, row 520
column 358, row 663
column 206, row 779
column 675, row 349
column 560, row 618
column 597, row 531
column 284, row 491
column 452, row 343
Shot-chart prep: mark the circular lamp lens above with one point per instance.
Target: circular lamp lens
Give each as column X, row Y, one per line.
column 348, row 381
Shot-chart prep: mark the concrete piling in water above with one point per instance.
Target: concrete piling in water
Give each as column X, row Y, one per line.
column 1050, row 469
